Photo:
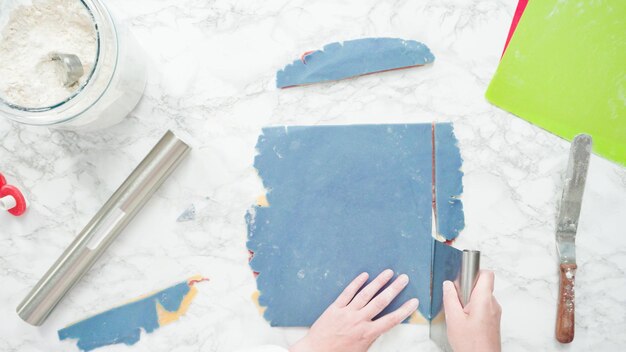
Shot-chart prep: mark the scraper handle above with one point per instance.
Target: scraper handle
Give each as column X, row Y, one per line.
column 470, row 268
column 565, row 310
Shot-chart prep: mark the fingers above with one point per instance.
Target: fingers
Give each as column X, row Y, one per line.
column 348, row 293
column 388, row 321
column 366, row 294
column 380, row 302
column 485, row 283
column 451, row 304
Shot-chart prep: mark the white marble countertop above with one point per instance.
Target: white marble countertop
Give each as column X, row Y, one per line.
column 211, row 78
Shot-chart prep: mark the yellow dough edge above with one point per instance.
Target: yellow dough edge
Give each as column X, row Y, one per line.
column 417, row 318
column 440, row 318
column 166, row 317
column 255, row 300
column 261, row 201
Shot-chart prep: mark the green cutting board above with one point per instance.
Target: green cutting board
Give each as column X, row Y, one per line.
column 565, row 71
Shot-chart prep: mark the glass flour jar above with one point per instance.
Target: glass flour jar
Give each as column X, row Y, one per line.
column 106, row 93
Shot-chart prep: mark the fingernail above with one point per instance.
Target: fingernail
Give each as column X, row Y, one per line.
column 403, row 279
column 388, row 273
column 413, row 303
column 448, row 285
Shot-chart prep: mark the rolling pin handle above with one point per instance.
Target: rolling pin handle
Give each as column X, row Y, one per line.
column 7, row 202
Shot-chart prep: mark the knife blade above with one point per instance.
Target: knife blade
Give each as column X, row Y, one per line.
column 567, row 225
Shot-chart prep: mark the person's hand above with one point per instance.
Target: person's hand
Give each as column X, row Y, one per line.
column 347, row 324
column 477, row 326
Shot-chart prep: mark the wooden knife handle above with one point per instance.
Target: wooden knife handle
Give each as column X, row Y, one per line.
column 565, row 310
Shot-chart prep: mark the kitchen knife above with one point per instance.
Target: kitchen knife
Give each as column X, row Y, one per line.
column 567, row 224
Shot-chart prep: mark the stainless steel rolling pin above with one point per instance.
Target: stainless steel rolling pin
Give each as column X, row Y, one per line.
column 103, row 228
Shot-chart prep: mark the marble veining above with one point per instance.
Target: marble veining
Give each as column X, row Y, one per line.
column 211, row 67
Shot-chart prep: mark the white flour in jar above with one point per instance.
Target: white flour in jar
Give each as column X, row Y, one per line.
column 31, row 31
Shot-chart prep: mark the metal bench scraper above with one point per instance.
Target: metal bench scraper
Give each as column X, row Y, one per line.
column 469, row 263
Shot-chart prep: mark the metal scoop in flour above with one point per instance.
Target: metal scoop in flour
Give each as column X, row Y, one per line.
column 72, row 68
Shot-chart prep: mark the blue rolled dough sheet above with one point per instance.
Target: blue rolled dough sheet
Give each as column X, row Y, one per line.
column 353, row 58
column 343, row 200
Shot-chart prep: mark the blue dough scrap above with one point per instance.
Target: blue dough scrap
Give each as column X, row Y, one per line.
column 342, row 200
column 354, row 58
column 123, row 324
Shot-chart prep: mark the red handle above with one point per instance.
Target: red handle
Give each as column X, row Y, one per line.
column 565, row 310
column 8, row 190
